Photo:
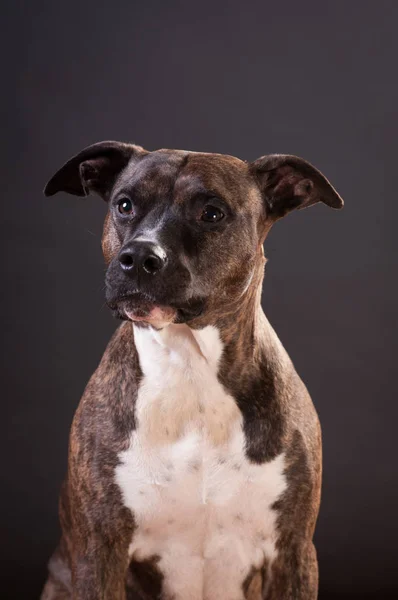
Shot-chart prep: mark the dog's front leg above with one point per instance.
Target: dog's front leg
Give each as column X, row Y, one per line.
column 97, row 526
column 99, row 573
column 98, row 531
column 295, row 574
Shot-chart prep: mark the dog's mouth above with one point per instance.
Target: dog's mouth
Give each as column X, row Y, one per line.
column 150, row 313
column 142, row 308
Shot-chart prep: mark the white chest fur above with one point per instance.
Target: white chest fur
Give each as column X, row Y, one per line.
column 198, row 503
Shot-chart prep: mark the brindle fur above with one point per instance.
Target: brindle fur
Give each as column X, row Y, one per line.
column 91, row 561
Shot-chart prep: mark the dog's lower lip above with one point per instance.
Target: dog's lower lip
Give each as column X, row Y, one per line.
column 153, row 314
column 141, row 307
column 139, row 313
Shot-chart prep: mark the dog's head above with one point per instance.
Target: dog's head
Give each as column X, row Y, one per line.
column 184, row 230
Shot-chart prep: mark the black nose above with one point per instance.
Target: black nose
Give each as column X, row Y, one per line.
column 142, row 256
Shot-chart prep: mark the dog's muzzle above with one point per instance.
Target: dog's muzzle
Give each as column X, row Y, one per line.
column 144, row 283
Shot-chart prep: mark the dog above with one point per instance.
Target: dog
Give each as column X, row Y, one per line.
column 194, row 469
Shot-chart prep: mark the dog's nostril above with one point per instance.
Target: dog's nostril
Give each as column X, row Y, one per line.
column 140, row 257
column 126, row 260
column 152, row 264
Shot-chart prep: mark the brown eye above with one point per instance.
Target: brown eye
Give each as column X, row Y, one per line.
column 211, row 214
column 125, row 206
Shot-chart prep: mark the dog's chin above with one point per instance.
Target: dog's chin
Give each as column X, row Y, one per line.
column 144, row 310
column 157, row 316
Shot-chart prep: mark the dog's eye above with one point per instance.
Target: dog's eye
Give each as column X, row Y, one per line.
column 211, row 214
column 125, row 206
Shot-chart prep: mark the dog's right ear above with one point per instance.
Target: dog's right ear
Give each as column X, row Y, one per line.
column 94, row 169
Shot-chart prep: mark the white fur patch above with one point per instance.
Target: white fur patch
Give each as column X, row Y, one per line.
column 198, row 503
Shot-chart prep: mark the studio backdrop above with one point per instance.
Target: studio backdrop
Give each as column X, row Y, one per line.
column 315, row 79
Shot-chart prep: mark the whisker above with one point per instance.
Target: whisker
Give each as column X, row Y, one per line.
column 89, row 231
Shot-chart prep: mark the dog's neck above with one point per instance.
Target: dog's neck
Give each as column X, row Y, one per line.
column 247, row 336
column 236, row 341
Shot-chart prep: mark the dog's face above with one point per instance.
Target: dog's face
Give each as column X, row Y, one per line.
column 184, row 230
column 180, row 232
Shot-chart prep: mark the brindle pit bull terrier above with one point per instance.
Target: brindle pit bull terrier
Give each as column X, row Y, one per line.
column 195, row 454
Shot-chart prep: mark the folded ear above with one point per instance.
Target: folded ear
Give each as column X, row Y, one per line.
column 94, row 169
column 287, row 182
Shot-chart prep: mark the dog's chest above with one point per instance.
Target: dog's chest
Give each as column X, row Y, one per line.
column 198, row 503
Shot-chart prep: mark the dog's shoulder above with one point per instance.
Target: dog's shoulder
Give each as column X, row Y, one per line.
column 105, row 415
column 118, row 373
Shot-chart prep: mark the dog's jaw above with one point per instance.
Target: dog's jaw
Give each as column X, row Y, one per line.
column 157, row 316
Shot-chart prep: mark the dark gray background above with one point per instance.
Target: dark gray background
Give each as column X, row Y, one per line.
column 317, row 79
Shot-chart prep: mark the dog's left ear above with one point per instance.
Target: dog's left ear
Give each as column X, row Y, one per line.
column 287, row 182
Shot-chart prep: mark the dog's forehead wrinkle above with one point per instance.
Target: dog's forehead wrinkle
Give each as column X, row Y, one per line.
column 163, row 163
column 155, row 170
column 221, row 175
column 190, row 183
